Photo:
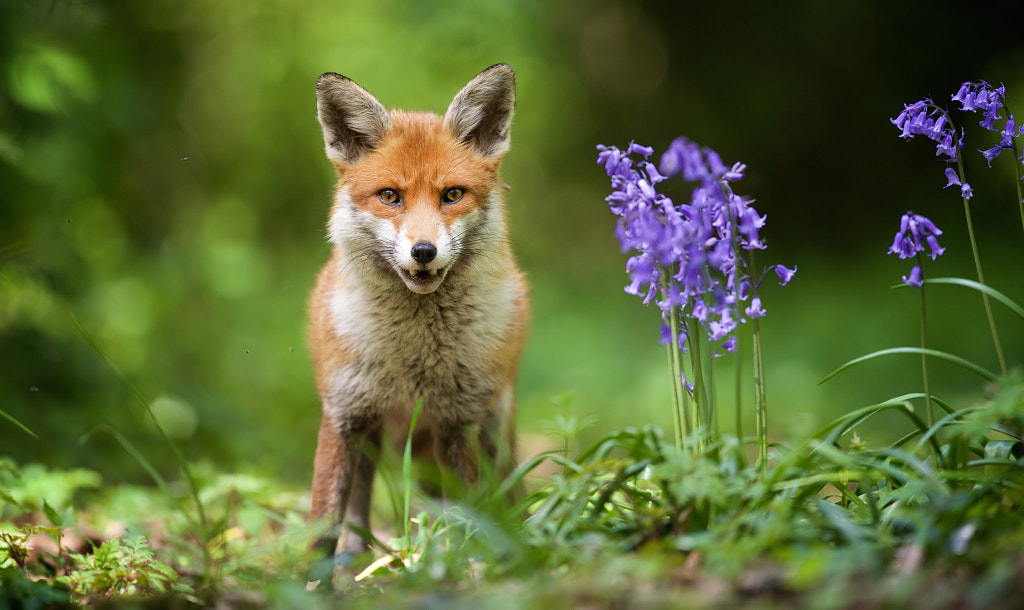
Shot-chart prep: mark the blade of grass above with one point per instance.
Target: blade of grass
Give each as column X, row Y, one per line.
column 203, row 524
column 17, row 423
column 831, row 433
column 517, row 475
column 407, row 467
column 870, row 490
column 130, row 449
column 922, row 468
column 835, row 477
column 983, row 288
column 967, row 364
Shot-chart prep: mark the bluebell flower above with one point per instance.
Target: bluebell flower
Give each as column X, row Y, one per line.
column 755, row 310
column 914, row 279
column 688, row 385
column 720, row 329
column 750, row 224
column 688, row 255
column 917, row 235
column 784, row 274
column 925, row 118
column 951, row 177
column 981, row 96
column 1006, row 142
column 916, row 232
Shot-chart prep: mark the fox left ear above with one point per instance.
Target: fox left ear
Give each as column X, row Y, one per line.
column 353, row 121
column 481, row 113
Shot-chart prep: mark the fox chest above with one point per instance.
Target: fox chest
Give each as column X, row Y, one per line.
column 434, row 346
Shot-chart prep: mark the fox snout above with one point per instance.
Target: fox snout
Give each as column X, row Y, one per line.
column 422, row 264
column 424, row 252
column 421, row 276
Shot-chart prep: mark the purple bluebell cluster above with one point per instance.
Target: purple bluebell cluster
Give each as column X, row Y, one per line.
column 687, row 256
column 917, row 235
column 982, row 97
column 926, row 118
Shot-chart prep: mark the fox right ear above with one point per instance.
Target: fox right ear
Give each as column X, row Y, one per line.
column 481, row 113
column 354, row 122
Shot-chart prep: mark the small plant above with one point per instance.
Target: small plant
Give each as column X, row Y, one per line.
column 565, row 426
column 931, row 488
column 915, row 232
column 122, row 567
column 928, row 119
column 875, row 508
column 696, row 262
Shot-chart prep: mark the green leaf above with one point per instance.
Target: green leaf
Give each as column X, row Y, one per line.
column 51, row 514
column 8, row 498
column 992, row 292
column 106, row 552
column 967, row 364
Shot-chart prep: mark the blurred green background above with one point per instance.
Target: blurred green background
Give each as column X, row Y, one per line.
column 163, row 191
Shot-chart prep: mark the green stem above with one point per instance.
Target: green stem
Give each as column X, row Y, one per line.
column 1017, row 172
column 712, row 399
column 977, row 266
column 760, row 399
column 1020, row 188
column 924, row 358
column 675, row 365
column 700, row 398
column 760, row 394
column 739, row 390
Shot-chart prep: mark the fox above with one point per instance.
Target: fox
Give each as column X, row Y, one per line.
column 421, row 301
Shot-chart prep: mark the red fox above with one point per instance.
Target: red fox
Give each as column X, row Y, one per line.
column 421, row 296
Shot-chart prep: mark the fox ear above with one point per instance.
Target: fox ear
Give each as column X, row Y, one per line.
column 354, row 122
column 481, row 113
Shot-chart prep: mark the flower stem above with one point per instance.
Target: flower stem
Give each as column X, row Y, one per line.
column 924, row 359
column 712, row 399
column 981, row 276
column 700, row 396
column 1020, row 188
column 739, row 390
column 760, row 394
column 675, row 368
column 1017, row 170
column 760, row 399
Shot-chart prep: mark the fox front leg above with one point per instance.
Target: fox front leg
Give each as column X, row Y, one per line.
column 342, row 482
column 357, row 510
column 454, row 451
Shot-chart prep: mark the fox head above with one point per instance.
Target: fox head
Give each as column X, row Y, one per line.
column 417, row 191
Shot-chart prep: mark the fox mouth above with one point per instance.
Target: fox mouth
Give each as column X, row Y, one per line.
column 423, row 280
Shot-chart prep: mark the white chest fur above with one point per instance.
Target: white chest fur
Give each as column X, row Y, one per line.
column 404, row 345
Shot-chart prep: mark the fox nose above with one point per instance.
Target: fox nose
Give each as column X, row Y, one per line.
column 423, row 252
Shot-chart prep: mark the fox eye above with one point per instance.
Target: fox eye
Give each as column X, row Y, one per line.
column 389, row 196
column 452, row 195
